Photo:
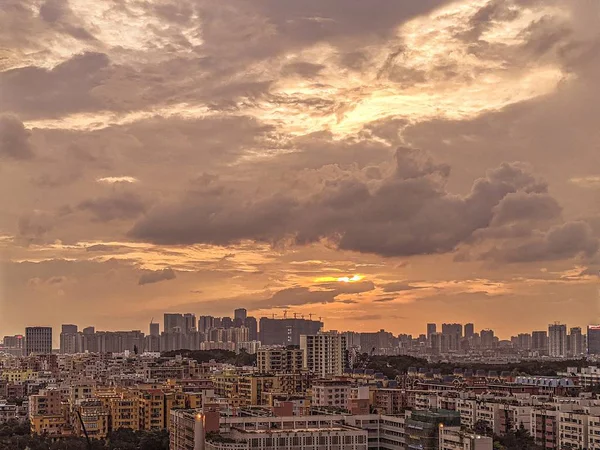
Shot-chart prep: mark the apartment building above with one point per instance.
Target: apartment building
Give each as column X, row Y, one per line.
column 452, row 438
column 279, row 359
column 324, row 354
column 331, row 393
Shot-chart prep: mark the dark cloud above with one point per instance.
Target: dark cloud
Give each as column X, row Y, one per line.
column 533, row 206
column 120, row 205
column 35, row 224
column 296, row 296
column 104, row 248
column 68, row 87
column 157, row 276
column 303, row 69
column 409, row 212
column 399, row 286
column 560, row 242
column 14, row 139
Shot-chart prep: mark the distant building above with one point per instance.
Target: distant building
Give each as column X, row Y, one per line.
column 324, row 354
column 593, row 339
column 557, row 340
column 576, row 347
column 431, row 328
column 453, row 333
column 469, row 330
column 69, row 339
column 539, row 342
column 38, row 340
column 189, row 323
column 286, row 331
column 239, row 317
column 487, row 339
column 252, row 325
column 173, row 323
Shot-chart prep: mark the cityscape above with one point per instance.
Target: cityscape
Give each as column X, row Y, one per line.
column 299, row 225
column 238, row 382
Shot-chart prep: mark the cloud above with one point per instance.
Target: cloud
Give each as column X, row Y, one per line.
column 35, row 224
column 113, row 180
column 157, row 276
column 399, row 286
column 560, row 242
column 591, row 182
column 409, row 212
column 120, row 205
column 14, row 139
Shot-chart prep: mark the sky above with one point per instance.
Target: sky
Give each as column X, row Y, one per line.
column 380, row 164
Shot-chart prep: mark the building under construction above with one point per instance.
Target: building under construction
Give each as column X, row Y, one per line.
column 286, row 331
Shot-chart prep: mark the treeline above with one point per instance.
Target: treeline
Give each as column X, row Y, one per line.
column 17, row 436
column 392, row 366
column 221, row 356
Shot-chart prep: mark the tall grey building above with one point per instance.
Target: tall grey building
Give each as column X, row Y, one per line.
column 69, row 339
column 539, row 342
column 38, row 340
column 189, row 323
column 431, row 328
column 173, row 323
column 576, row 347
column 593, row 339
column 557, row 340
column 469, row 330
column 239, row 317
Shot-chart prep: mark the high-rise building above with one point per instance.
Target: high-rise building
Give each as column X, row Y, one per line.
column 286, row 331
column 557, row 340
column 226, row 322
column 69, row 339
column 239, row 317
column 487, row 339
column 576, row 347
column 252, row 325
column 154, row 329
column 205, row 323
column 38, row 340
column 524, row 341
column 173, row 323
column 189, row 323
column 324, row 354
column 453, row 333
column 593, row 339
column 469, row 330
column 431, row 328
column 539, row 342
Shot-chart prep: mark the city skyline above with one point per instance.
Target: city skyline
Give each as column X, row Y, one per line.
column 154, row 327
column 376, row 163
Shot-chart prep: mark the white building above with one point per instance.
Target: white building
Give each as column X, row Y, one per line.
column 324, row 353
column 452, row 438
column 557, row 340
column 331, row 393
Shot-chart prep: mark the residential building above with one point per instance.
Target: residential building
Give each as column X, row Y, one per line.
column 593, row 339
column 452, row 438
column 557, row 340
column 38, row 340
column 324, row 354
column 279, row 359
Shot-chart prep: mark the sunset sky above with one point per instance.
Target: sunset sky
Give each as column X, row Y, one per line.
column 378, row 163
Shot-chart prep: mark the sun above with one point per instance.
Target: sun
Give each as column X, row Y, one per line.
column 351, row 279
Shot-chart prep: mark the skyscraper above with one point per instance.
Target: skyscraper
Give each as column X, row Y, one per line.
column 593, row 339
column 252, row 326
column 205, row 323
column 431, row 328
column 38, row 340
column 173, row 323
column 575, row 342
column 539, row 342
column 239, row 317
column 154, row 329
column 557, row 340
column 189, row 323
column 453, row 335
column 487, row 339
column 469, row 330
column 69, row 339
column 286, row 331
